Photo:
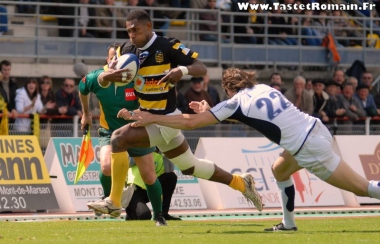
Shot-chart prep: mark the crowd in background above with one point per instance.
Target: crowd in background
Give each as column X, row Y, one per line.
column 346, row 97
column 247, row 29
column 36, row 95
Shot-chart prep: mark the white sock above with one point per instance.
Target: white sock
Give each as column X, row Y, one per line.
column 374, row 189
column 287, row 192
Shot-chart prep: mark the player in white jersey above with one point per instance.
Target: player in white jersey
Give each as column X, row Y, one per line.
column 307, row 142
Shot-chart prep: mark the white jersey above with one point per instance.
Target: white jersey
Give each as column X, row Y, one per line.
column 269, row 112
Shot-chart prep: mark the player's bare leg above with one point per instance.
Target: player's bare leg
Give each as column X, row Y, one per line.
column 344, row 177
column 282, row 169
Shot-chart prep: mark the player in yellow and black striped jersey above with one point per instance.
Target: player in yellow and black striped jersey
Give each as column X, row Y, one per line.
column 163, row 63
column 163, row 55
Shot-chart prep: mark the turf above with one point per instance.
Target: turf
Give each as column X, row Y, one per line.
column 313, row 230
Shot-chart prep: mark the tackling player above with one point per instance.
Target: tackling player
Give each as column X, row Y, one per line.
column 306, row 140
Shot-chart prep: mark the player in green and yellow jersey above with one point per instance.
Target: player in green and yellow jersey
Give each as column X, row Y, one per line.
column 112, row 98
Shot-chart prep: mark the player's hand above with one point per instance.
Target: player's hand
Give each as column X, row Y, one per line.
column 113, row 62
column 199, row 107
column 121, row 75
column 86, row 119
column 125, row 114
column 142, row 118
column 172, row 77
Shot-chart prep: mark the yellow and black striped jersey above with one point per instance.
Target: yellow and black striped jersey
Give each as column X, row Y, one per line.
column 155, row 61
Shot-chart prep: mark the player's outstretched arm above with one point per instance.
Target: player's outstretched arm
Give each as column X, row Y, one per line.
column 183, row 121
column 113, row 75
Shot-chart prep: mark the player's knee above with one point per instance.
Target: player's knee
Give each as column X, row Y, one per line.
column 190, row 165
column 118, row 141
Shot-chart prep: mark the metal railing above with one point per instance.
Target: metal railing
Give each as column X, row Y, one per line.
column 41, row 45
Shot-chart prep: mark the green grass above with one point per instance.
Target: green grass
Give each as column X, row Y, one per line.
column 313, row 230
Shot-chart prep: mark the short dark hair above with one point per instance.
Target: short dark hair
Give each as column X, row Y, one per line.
column 273, row 74
column 138, row 14
column 5, row 63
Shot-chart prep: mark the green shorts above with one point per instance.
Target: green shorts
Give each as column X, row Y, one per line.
column 105, row 139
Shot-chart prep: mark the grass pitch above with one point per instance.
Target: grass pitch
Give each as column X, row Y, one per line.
column 313, row 230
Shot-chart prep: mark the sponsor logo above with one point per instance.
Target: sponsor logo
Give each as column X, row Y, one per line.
column 21, row 161
column 371, row 164
column 130, row 94
column 159, row 56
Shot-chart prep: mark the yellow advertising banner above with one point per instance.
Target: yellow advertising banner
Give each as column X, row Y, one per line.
column 21, row 161
column 24, row 178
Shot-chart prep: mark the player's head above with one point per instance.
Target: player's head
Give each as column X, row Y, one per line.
column 111, row 51
column 139, row 27
column 234, row 79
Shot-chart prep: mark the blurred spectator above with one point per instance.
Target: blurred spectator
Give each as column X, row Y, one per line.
column 212, row 92
column 160, row 22
column 8, row 87
column 341, row 28
column 3, row 20
column 340, row 77
column 279, row 34
column 67, row 101
column 196, row 93
column 210, row 28
column 67, row 19
column 320, row 99
column 249, row 25
column 48, row 101
column 87, row 18
column 276, row 86
column 320, row 24
column 367, row 78
column 104, row 22
column 275, row 78
column 334, row 107
column 28, row 101
column 366, row 100
column 351, row 104
column 312, row 36
column 353, row 81
column 198, row 4
column 309, row 85
column 182, row 104
column 47, row 97
column 301, row 98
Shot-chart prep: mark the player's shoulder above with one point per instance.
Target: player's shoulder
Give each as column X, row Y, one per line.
column 127, row 47
column 168, row 42
column 93, row 75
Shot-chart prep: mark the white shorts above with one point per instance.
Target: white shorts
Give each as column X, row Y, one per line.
column 317, row 155
column 165, row 138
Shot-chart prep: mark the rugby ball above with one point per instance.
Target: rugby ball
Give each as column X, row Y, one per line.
column 130, row 61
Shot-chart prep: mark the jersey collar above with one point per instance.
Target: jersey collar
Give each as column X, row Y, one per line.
column 149, row 42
